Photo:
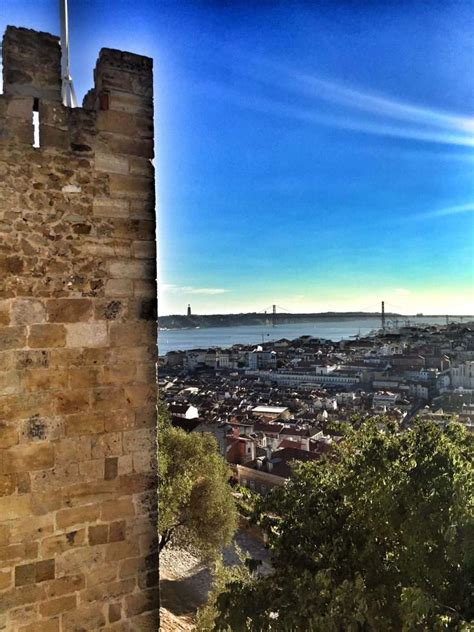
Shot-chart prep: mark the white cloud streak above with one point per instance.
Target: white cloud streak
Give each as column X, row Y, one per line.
column 388, row 116
column 383, row 106
column 188, row 289
column 447, row 211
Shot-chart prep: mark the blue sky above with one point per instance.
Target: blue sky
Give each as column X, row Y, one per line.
column 314, row 155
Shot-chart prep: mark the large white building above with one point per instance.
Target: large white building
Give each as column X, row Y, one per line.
column 463, row 375
column 296, row 378
column 260, row 359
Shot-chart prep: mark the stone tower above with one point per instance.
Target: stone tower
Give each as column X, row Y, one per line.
column 77, row 345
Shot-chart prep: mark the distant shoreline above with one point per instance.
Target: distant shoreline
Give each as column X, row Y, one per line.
column 179, row 321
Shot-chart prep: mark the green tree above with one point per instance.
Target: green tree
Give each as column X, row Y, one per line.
column 378, row 537
column 195, row 505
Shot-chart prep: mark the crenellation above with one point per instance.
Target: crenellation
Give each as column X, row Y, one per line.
column 31, row 64
column 77, row 344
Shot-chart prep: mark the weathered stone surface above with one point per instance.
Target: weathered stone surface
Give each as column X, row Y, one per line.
column 77, row 344
column 87, row 334
column 47, row 336
column 69, row 310
column 27, row 312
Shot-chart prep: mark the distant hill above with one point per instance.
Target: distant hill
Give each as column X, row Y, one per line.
column 179, row 321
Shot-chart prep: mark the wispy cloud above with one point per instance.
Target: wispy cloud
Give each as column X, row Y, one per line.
column 303, row 96
column 446, row 211
column 188, row 289
column 384, row 106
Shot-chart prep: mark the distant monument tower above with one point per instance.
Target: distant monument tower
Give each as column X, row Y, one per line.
column 189, row 310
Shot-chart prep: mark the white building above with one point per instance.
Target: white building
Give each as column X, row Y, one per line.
column 260, row 359
column 295, row 378
column 463, row 375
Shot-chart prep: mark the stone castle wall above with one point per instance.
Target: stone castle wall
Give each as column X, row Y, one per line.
column 77, row 345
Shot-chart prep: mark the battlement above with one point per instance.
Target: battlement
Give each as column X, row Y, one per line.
column 31, row 64
column 78, row 351
column 123, row 83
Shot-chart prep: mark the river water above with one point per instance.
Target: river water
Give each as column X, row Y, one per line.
column 203, row 338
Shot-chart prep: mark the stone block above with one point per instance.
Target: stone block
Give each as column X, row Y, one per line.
column 130, row 186
column 24, row 458
column 20, row 107
column 130, row 567
column 27, row 312
column 21, row 595
column 141, row 602
column 103, row 573
column 12, row 338
column 5, row 313
column 132, row 269
column 108, row 399
column 29, row 530
column 87, row 334
column 46, row 336
column 69, row 310
column 44, row 503
column 136, row 483
column 145, row 288
column 115, row 612
column 107, row 445
column 125, row 145
column 42, row 626
column 84, row 424
column 141, row 440
column 98, row 534
column 4, row 535
column 37, row 428
column 57, row 544
column 8, row 435
column 72, row 402
column 6, row 578
column 44, row 380
column 34, row 573
column 45, row 570
column 57, row 606
column 107, row 309
column 92, row 470
column 111, row 468
column 131, row 334
column 56, row 478
column 85, row 377
column 141, row 166
column 77, row 516
column 139, row 395
column 73, row 450
column 119, row 374
column 146, row 622
column 65, row 585
column 8, row 360
column 80, row 559
column 117, row 509
column 7, row 484
column 118, row 288
column 107, row 207
column 144, row 249
column 111, row 163
column 32, row 359
column 117, row 531
column 121, row 550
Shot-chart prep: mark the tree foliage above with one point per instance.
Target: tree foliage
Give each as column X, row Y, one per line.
column 195, row 505
column 378, row 538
